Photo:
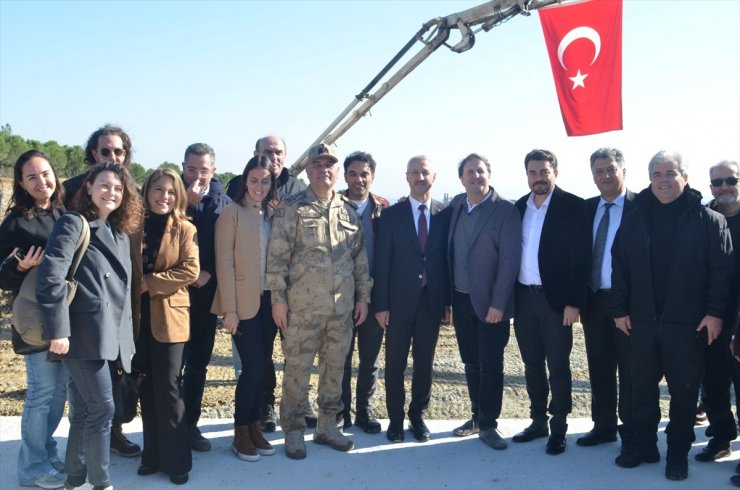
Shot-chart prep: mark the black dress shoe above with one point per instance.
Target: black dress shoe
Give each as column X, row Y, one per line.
column 596, row 437
column 534, row 431
column 366, row 421
column 555, row 444
column 420, row 430
column 146, row 470
column 713, row 451
column 735, row 480
column 395, row 432
column 179, row 478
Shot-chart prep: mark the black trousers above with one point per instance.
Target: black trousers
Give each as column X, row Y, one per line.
column 166, row 435
column 543, row 338
column 481, row 348
column 198, row 349
column 676, row 351
column 248, row 339
column 718, row 370
column 423, row 330
column 369, row 339
column 607, row 350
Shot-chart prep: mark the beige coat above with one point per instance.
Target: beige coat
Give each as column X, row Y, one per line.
column 176, row 267
column 239, row 278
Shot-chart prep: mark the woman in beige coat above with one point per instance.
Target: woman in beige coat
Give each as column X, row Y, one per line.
column 165, row 261
column 242, row 233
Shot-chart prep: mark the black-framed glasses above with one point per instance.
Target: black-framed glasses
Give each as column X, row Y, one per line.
column 731, row 181
column 106, row 152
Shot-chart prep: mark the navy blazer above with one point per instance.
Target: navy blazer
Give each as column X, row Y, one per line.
column 399, row 262
column 564, row 250
column 98, row 322
column 494, row 255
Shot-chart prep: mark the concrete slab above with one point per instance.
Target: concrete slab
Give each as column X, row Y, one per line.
column 445, row 462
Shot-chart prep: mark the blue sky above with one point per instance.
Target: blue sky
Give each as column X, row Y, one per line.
column 226, row 72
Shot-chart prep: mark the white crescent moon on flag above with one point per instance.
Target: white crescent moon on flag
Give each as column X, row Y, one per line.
column 581, row 32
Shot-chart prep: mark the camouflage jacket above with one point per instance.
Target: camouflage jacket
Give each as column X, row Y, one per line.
column 315, row 263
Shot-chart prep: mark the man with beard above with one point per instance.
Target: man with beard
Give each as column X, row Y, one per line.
column 719, row 365
column 359, row 173
column 549, row 296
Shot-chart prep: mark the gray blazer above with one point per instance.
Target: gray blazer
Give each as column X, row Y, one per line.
column 494, row 255
column 98, row 322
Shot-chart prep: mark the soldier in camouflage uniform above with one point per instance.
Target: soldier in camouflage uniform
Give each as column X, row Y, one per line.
column 317, row 271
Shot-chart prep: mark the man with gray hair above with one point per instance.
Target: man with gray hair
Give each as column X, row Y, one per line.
column 671, row 268
column 607, row 348
column 719, row 364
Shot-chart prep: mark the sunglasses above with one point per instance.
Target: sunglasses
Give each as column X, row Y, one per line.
column 106, row 152
column 729, row 181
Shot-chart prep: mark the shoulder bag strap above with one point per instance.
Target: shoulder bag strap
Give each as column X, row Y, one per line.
column 80, row 248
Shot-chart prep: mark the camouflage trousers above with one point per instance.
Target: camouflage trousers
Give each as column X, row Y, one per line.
column 330, row 337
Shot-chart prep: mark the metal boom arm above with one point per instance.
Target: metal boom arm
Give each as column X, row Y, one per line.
column 487, row 16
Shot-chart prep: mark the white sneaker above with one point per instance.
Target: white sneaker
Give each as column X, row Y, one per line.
column 50, row 480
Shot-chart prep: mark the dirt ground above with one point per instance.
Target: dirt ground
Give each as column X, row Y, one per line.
column 449, row 392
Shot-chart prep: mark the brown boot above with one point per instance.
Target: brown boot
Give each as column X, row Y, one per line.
column 243, row 446
column 328, row 433
column 262, row 445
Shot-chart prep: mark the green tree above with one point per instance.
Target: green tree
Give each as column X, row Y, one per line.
column 138, row 172
column 75, row 161
column 224, row 178
column 57, row 154
column 172, row 166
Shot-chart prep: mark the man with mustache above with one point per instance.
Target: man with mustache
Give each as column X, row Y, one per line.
column 550, row 293
column 359, row 173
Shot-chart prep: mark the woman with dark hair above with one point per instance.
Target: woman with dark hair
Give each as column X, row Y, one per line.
column 242, row 233
column 35, row 205
column 165, row 262
column 95, row 329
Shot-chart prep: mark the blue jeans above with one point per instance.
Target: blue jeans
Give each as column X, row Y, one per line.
column 90, row 413
column 42, row 411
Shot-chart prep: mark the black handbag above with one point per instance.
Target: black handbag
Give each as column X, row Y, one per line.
column 126, row 390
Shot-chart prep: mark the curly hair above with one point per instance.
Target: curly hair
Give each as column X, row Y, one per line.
column 179, row 212
column 21, row 201
column 129, row 216
column 92, row 143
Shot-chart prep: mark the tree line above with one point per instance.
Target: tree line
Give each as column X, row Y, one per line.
column 68, row 160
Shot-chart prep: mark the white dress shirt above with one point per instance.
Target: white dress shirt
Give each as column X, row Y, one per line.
column 415, row 210
column 615, row 218
column 534, row 218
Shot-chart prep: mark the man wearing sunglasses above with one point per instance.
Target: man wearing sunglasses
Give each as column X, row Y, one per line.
column 106, row 144
column 719, row 365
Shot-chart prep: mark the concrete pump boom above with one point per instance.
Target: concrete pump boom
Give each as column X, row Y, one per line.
column 432, row 35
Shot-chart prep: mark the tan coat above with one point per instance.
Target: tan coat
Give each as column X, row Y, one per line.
column 176, row 267
column 238, row 254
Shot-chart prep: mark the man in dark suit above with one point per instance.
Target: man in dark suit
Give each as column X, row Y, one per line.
column 549, row 295
column 607, row 348
column 206, row 200
column 484, row 252
column 411, row 294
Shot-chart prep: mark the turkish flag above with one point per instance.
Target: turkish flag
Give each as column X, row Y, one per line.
column 584, row 42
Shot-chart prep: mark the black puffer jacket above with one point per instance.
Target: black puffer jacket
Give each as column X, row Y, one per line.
column 701, row 264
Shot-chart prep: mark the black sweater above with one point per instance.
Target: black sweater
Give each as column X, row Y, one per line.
column 18, row 231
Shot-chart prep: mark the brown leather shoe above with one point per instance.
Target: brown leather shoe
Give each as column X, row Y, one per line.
column 263, row 446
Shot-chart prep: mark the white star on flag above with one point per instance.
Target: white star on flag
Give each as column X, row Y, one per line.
column 578, row 80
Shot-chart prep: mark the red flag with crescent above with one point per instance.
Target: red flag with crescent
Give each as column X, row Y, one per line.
column 584, row 42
